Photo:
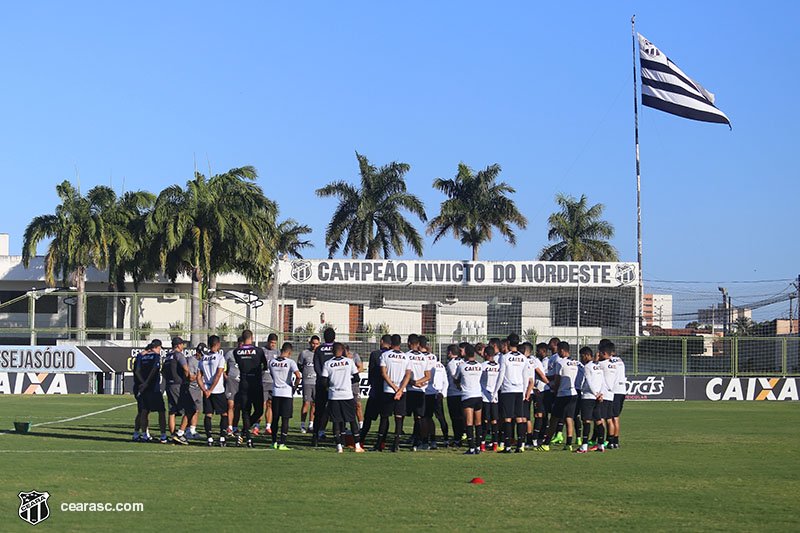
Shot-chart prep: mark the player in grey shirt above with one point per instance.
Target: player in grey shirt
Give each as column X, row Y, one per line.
column 195, row 394
column 306, row 363
column 271, row 351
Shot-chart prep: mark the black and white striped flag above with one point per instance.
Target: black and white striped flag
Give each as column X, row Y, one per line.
column 666, row 87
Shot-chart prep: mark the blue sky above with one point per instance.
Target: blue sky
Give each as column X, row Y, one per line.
column 136, row 93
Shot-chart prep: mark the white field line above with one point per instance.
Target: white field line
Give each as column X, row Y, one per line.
column 75, row 417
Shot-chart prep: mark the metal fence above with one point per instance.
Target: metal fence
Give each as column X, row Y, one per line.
column 132, row 319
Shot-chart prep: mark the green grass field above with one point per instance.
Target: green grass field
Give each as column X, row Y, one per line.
column 683, row 466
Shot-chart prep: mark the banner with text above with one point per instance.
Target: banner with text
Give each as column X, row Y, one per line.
column 458, row 273
column 655, row 388
column 38, row 359
column 43, row 383
column 742, row 389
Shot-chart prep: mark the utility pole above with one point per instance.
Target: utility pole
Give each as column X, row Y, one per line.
column 725, row 313
column 797, row 286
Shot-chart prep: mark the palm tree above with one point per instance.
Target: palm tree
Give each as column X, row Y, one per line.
column 369, row 219
column 476, row 205
column 214, row 225
column 124, row 220
column 79, row 239
column 579, row 232
column 289, row 238
column 744, row 326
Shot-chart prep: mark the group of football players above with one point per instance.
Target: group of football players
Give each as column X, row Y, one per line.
column 502, row 396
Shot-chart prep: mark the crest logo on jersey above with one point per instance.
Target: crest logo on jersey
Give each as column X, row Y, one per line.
column 33, row 506
column 301, row 270
column 626, row 274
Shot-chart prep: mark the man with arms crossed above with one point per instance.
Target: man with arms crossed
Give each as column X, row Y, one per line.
column 396, row 372
column 340, row 373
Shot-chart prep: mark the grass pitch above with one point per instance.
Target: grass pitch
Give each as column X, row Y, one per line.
column 683, row 466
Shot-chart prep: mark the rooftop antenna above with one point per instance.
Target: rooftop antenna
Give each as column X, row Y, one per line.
column 78, row 177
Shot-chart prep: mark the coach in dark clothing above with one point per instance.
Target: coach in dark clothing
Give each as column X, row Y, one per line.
column 322, row 354
column 251, row 361
column 373, row 410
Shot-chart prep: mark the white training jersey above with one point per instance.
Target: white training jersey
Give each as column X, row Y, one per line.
column 340, row 372
column 491, row 371
column 535, row 363
column 396, row 364
column 452, row 366
column 621, row 381
column 568, row 370
column 419, row 363
column 609, row 376
column 438, row 382
column 593, row 382
column 209, row 366
column 549, row 365
column 282, row 371
column 468, row 374
column 515, row 372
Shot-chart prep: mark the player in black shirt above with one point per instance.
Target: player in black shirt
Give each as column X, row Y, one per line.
column 323, row 353
column 251, row 361
column 147, row 371
column 375, row 379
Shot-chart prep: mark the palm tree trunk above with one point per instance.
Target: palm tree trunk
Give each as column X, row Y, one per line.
column 474, row 252
column 80, row 304
column 122, row 305
column 197, row 276
column 212, row 300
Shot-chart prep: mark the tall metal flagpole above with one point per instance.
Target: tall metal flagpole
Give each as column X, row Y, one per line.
column 638, row 179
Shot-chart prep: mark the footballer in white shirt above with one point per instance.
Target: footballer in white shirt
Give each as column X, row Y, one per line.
column 420, row 366
column 212, row 385
column 591, row 386
column 514, row 386
column 563, row 383
column 396, row 373
column 339, row 373
column 468, row 378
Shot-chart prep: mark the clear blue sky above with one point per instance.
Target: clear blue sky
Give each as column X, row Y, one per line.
column 136, row 92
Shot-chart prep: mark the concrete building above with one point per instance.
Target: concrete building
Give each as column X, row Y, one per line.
column 715, row 315
column 451, row 300
column 657, row 310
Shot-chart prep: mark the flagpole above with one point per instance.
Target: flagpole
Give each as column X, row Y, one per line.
column 640, row 318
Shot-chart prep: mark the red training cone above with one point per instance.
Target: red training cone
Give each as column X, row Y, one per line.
column 477, row 481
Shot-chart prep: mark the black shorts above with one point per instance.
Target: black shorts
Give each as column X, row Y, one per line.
column 472, row 403
column 511, row 405
column 619, row 401
column 267, row 389
column 174, row 401
column 526, row 406
column 282, row 407
column 342, row 410
column 392, row 407
column 491, row 411
column 590, row 409
column 430, row 404
column 152, row 401
column 415, row 403
column 139, row 401
column 373, row 409
column 607, row 409
column 548, row 399
column 564, row 406
column 216, row 404
column 538, row 402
